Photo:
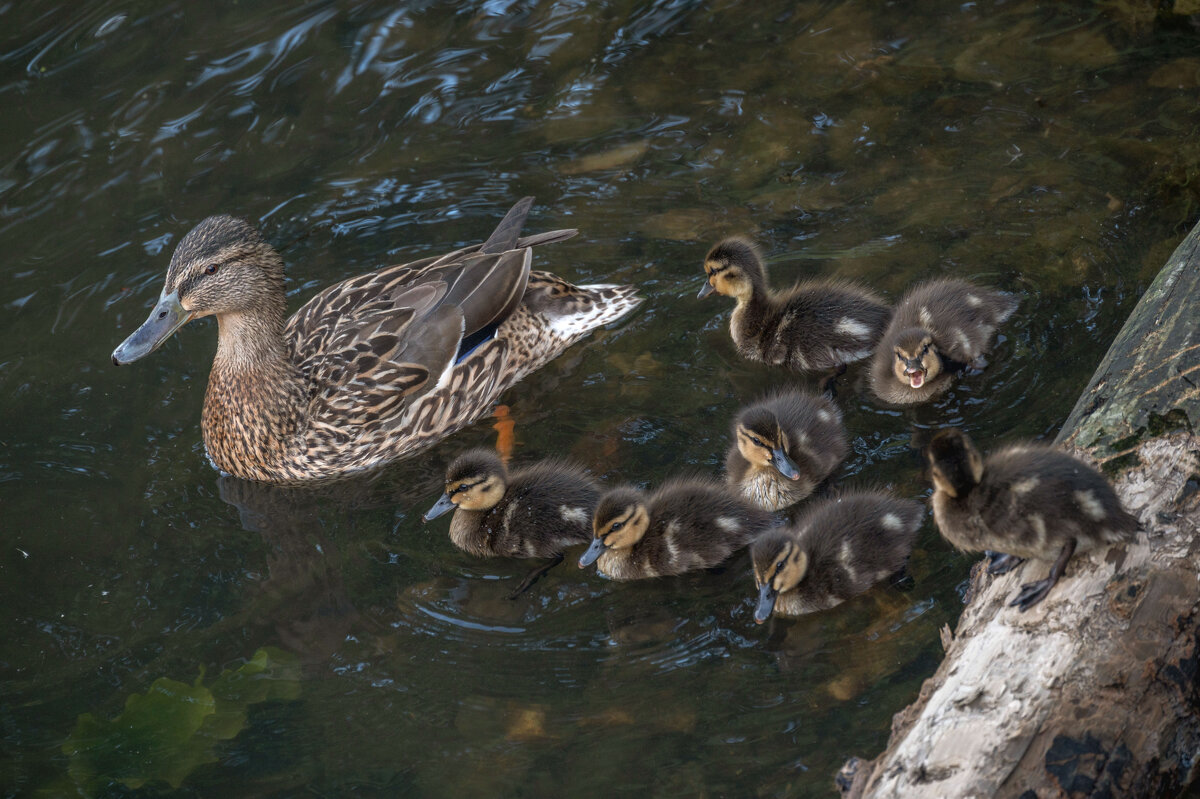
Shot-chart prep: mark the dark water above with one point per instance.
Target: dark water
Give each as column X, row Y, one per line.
column 1050, row 151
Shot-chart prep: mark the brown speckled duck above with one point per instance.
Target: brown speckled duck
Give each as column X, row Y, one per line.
column 686, row 525
column 837, row 549
column 374, row 367
column 784, row 445
column 1026, row 501
column 938, row 328
column 815, row 325
column 535, row 512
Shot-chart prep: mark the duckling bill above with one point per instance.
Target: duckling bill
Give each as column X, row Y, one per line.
column 939, row 328
column 1027, row 501
column 374, row 367
column 838, row 548
column 783, row 447
column 686, row 525
column 815, row 325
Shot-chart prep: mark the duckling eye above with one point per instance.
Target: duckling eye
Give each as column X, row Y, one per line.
column 616, row 526
column 758, row 442
column 211, row 269
column 924, row 350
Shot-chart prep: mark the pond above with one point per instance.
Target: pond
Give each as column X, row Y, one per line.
column 173, row 631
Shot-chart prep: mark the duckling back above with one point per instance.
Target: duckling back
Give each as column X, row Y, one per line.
column 694, row 523
column 546, row 508
column 1030, row 501
column 794, row 439
column 852, row 542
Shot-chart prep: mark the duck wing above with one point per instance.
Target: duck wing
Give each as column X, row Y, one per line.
column 369, row 345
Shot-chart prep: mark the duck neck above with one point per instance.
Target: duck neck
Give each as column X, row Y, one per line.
column 255, row 398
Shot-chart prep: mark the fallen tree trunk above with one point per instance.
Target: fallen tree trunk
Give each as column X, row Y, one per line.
column 1095, row 691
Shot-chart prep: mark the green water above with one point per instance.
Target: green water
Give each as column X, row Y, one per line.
column 1049, row 151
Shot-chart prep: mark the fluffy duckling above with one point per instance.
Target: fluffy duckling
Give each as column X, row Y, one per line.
column 687, row 524
column 783, row 447
column 837, row 549
column 939, row 328
column 1027, row 500
column 815, row 325
column 534, row 512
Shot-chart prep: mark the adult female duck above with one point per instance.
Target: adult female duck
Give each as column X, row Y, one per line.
column 374, row 367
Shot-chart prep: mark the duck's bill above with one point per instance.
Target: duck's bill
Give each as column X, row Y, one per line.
column 784, row 464
column 593, row 552
column 705, row 290
column 766, row 604
column 167, row 317
column 441, row 506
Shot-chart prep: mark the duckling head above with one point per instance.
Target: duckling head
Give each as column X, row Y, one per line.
column 954, row 464
column 763, row 443
column 779, row 565
column 222, row 267
column 620, row 521
column 476, row 481
column 917, row 357
column 733, row 268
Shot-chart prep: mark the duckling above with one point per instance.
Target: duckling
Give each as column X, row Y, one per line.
column 535, row 512
column 837, row 549
column 938, row 329
column 687, row 524
column 783, row 447
column 1026, row 500
column 815, row 325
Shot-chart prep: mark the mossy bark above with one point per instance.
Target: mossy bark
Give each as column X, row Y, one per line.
column 1096, row 691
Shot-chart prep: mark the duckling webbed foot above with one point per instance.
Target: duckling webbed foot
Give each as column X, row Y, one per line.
column 1000, row 563
column 534, row 576
column 1033, row 593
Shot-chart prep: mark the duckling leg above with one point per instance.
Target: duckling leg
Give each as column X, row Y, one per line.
column 1000, row 563
column 535, row 575
column 506, row 436
column 827, row 383
column 1033, row 593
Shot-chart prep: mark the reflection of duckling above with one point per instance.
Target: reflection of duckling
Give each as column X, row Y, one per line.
column 536, row 512
column 783, row 447
column 939, row 327
column 836, row 550
column 687, row 524
column 1027, row 500
column 815, row 325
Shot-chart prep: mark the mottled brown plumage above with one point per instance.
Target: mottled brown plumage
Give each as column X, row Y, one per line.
column 1025, row 500
column 815, row 325
column 536, row 511
column 686, row 525
column 838, row 548
column 783, row 446
column 372, row 368
column 939, row 327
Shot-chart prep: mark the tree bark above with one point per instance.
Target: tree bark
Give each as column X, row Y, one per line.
column 1095, row 691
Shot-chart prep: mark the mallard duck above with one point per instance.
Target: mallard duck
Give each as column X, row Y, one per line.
column 374, row 367
column 838, row 548
column 783, row 447
column 815, row 325
column 687, row 524
column 534, row 512
column 939, row 328
column 1027, row 501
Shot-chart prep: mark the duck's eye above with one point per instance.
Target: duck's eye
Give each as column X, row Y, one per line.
column 924, row 350
column 616, row 526
column 899, row 356
column 758, row 442
column 211, row 269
